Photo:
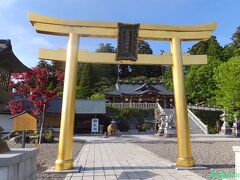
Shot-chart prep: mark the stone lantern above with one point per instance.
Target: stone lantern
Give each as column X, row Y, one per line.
column 170, row 128
column 236, row 125
column 161, row 124
column 225, row 129
column 3, row 145
column 1, row 130
column 112, row 128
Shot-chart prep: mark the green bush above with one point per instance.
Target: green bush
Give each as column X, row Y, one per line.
column 212, row 130
column 47, row 137
column 128, row 114
column 142, row 127
column 97, row 96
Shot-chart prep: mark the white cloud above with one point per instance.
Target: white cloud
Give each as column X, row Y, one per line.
column 26, row 38
column 25, row 41
column 6, row 3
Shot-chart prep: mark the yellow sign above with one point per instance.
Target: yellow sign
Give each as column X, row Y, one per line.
column 24, row 122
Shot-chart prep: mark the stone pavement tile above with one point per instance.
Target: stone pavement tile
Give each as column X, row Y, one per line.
column 77, row 174
column 87, row 178
column 123, row 177
column 119, row 159
column 99, row 177
column 109, row 172
column 120, row 173
column 69, row 175
column 158, row 177
column 67, row 178
column 186, row 172
column 168, row 177
column 194, row 178
column 111, row 177
column 177, row 177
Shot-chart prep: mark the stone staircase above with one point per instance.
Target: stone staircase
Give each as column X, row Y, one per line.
column 195, row 124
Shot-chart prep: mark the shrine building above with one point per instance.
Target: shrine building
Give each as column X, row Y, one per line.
column 141, row 92
column 9, row 63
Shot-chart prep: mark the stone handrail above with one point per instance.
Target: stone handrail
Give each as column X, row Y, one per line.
column 204, row 108
column 198, row 121
column 133, row 105
column 160, row 108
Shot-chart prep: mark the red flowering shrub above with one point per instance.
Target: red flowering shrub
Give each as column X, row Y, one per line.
column 35, row 89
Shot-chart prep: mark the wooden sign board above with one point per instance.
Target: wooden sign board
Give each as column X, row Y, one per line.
column 127, row 41
column 24, row 122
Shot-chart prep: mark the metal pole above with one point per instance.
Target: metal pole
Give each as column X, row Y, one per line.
column 183, row 132
column 23, row 139
column 42, row 121
column 64, row 160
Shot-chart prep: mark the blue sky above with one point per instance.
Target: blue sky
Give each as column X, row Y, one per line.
column 26, row 42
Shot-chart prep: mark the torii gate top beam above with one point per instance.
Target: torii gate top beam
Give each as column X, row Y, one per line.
column 57, row 26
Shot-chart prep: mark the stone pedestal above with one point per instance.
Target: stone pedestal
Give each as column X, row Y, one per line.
column 19, row 164
column 170, row 132
column 236, row 149
column 237, row 131
column 160, row 131
column 226, row 129
column 3, row 147
column 170, row 128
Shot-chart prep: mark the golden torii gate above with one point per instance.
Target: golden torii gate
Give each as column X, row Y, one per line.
column 76, row 29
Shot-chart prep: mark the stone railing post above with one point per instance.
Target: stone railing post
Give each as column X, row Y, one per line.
column 236, row 149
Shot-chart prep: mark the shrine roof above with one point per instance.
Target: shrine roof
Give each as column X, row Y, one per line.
column 140, row 88
column 8, row 58
column 83, row 106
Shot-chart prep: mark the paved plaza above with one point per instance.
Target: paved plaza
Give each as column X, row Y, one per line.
column 117, row 158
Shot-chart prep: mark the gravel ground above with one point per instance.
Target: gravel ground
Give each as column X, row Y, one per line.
column 216, row 156
column 47, row 156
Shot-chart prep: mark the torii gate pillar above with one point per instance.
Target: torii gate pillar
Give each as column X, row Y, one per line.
column 183, row 132
column 64, row 160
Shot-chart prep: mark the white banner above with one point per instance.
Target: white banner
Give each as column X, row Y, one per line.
column 95, row 125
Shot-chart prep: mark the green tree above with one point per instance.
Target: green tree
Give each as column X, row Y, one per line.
column 236, row 38
column 211, row 47
column 227, row 79
column 199, row 82
column 107, row 48
column 228, row 52
column 232, row 49
column 53, row 80
column 105, row 75
column 167, row 78
column 106, row 70
column 148, row 71
column 97, row 96
column 59, row 65
column 143, row 48
column 85, row 88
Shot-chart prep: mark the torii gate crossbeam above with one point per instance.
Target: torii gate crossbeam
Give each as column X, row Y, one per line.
column 76, row 29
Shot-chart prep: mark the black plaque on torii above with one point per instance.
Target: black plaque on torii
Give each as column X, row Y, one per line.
column 127, row 41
